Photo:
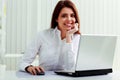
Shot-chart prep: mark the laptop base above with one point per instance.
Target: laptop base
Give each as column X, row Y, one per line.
column 86, row 73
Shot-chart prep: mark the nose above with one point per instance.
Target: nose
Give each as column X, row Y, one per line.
column 69, row 18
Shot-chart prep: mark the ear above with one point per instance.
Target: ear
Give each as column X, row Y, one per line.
column 56, row 20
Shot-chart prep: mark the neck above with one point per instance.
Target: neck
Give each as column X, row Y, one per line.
column 63, row 34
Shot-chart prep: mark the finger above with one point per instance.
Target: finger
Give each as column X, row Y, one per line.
column 30, row 70
column 41, row 69
column 38, row 69
column 73, row 30
column 33, row 71
column 76, row 27
column 76, row 24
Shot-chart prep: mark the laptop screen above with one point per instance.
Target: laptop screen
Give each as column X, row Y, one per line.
column 95, row 52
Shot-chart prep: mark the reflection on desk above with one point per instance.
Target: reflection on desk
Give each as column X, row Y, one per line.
column 50, row 75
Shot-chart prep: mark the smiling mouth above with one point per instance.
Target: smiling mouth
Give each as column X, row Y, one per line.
column 68, row 25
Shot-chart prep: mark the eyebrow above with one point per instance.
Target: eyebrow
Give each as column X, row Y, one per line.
column 67, row 13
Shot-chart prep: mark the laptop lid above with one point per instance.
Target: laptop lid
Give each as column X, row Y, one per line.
column 95, row 52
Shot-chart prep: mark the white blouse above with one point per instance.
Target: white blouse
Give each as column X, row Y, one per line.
column 53, row 52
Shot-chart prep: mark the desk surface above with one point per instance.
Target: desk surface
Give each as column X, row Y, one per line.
column 49, row 75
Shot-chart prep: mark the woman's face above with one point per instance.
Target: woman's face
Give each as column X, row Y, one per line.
column 66, row 19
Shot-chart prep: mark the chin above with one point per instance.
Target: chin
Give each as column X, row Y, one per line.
column 68, row 29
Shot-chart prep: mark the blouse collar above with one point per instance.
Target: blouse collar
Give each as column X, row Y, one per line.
column 57, row 30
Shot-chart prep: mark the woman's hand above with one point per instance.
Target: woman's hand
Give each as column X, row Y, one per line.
column 32, row 69
column 73, row 29
column 71, row 32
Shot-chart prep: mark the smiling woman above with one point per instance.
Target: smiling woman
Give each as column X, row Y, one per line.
column 57, row 47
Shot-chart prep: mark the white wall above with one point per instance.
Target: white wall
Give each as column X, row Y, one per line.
column 45, row 8
column 26, row 17
column 21, row 24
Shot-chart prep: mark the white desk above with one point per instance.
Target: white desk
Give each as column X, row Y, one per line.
column 15, row 75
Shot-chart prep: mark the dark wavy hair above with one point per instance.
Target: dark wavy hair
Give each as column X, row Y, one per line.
column 60, row 5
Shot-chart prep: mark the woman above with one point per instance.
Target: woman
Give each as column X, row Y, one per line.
column 57, row 47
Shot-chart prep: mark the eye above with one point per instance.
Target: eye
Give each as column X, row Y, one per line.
column 64, row 15
column 72, row 15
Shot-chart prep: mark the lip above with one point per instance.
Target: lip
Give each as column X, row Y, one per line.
column 68, row 25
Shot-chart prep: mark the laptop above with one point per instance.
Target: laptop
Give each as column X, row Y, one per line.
column 95, row 56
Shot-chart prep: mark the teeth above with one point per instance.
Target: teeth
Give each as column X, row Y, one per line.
column 68, row 24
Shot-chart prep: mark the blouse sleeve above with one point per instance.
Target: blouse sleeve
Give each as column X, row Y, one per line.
column 30, row 53
column 68, row 55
